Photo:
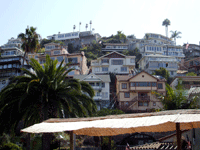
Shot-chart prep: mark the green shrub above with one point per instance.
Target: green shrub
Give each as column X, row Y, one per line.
column 10, row 146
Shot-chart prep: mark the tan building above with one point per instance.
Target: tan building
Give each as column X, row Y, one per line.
column 78, row 61
column 134, row 93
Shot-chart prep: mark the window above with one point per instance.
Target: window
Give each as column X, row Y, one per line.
column 104, row 94
column 172, row 73
column 140, row 103
column 127, row 95
column 103, row 85
column 153, row 84
column 124, row 85
column 52, row 58
column 96, row 69
column 123, row 69
column 98, row 93
column 91, row 83
column 97, row 84
column 117, row 62
column 56, row 52
column 132, row 84
column 160, row 86
column 49, row 53
column 73, row 60
column 104, row 68
column 60, row 58
column 105, row 60
column 145, row 104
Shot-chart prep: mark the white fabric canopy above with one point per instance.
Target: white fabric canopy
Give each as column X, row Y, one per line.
column 110, row 127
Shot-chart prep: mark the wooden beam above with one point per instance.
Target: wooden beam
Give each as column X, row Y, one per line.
column 28, row 141
column 72, row 140
column 178, row 136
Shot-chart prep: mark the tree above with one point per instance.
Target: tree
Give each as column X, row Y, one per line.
column 166, row 23
column 135, row 53
column 30, row 41
column 191, row 74
column 162, row 72
column 120, row 36
column 105, row 112
column 176, row 99
column 175, row 35
column 92, row 52
column 146, row 37
column 70, row 48
column 44, row 94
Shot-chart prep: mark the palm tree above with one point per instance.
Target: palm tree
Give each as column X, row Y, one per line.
column 30, row 41
column 175, row 34
column 166, row 23
column 44, row 94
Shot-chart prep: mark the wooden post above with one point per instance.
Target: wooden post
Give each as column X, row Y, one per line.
column 28, row 141
column 178, row 136
column 72, row 140
column 46, row 141
column 109, row 144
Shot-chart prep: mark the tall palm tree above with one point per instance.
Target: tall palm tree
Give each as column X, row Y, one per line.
column 30, row 41
column 44, row 94
column 166, row 23
column 175, row 35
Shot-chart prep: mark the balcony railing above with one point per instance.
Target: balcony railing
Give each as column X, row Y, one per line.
column 126, row 105
column 97, row 87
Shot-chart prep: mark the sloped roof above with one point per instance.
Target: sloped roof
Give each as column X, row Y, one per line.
column 112, row 53
column 128, row 77
column 104, row 78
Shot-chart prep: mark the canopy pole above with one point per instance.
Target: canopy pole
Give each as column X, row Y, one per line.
column 72, row 140
column 178, row 136
column 28, row 141
column 110, row 141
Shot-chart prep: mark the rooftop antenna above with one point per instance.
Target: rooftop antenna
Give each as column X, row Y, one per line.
column 74, row 27
column 79, row 26
column 86, row 26
column 90, row 24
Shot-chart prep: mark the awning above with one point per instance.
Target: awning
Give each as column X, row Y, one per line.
column 110, row 127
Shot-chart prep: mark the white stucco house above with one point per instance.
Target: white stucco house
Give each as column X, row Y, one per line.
column 113, row 62
column 101, row 86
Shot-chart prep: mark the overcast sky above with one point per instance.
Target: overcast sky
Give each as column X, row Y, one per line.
column 108, row 16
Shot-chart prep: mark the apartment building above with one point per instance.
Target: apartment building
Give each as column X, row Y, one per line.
column 11, row 61
column 56, row 51
column 186, row 81
column 150, row 63
column 113, row 62
column 157, row 44
column 76, row 38
column 134, row 93
column 192, row 51
column 101, row 86
column 118, row 47
column 191, row 65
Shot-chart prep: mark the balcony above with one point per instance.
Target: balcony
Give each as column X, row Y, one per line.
column 97, row 87
column 97, row 98
column 143, row 88
column 126, row 106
